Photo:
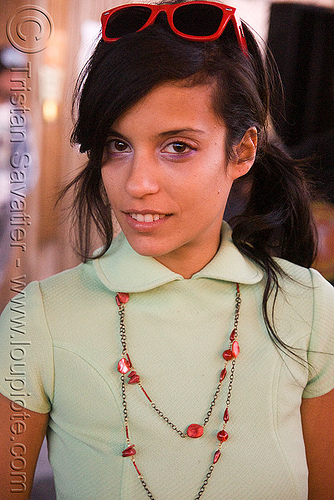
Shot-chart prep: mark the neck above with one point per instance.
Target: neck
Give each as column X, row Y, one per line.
column 187, row 261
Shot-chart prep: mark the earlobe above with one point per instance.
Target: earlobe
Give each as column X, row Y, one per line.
column 245, row 152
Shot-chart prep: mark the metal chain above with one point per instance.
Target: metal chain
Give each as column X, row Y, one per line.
column 199, row 494
column 206, row 420
column 125, row 408
column 204, row 485
column 237, row 310
column 149, row 494
column 160, row 413
column 213, row 403
column 216, row 394
column 166, row 419
column 228, row 398
column 122, row 330
column 236, row 323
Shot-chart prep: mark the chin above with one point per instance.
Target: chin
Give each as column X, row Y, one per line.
column 143, row 246
column 148, row 247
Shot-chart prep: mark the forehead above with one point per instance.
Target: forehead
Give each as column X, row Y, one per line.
column 173, row 105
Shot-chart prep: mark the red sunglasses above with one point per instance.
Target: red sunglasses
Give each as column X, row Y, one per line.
column 195, row 20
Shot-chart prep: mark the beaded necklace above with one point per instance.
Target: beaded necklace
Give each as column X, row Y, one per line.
column 125, row 367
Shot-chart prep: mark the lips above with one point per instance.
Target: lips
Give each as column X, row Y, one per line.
column 146, row 220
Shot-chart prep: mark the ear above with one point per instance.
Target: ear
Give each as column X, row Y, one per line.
column 245, row 153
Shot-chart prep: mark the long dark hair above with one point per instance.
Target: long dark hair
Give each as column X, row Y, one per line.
column 276, row 220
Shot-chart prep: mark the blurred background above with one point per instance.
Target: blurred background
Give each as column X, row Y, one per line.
column 42, row 49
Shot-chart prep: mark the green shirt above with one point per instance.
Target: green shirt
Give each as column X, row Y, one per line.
column 59, row 349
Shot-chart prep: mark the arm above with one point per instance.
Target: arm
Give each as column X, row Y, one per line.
column 318, row 429
column 21, row 436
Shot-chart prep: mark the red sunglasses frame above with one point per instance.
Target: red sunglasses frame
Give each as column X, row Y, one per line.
column 229, row 14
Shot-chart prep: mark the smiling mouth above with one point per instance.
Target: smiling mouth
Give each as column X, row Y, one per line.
column 147, row 217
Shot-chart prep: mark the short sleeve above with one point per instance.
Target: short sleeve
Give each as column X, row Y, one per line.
column 26, row 354
column 321, row 346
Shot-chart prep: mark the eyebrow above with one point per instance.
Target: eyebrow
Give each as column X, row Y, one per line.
column 180, row 131
column 113, row 133
column 168, row 133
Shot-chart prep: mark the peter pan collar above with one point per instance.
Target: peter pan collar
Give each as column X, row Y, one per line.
column 121, row 269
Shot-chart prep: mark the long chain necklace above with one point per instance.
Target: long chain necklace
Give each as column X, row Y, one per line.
column 125, row 367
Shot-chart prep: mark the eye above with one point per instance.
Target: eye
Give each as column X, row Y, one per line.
column 117, row 146
column 177, row 147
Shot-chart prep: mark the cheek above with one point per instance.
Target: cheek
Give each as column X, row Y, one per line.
column 109, row 184
column 218, row 192
column 208, row 194
column 109, row 178
column 104, row 178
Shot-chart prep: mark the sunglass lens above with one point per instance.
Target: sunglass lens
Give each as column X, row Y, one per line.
column 127, row 20
column 198, row 19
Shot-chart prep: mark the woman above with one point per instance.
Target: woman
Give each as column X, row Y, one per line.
column 175, row 362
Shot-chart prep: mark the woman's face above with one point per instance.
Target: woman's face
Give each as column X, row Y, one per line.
column 167, row 177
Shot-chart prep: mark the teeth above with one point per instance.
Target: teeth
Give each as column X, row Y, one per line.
column 146, row 217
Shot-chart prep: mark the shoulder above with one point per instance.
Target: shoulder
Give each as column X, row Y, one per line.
column 309, row 289
column 306, row 309
column 297, row 276
column 64, row 295
column 68, row 278
column 307, row 298
column 71, row 294
column 75, row 281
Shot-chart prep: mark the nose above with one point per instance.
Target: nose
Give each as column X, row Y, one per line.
column 143, row 177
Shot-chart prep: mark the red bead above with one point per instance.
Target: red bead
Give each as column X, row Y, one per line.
column 148, row 397
column 122, row 298
column 226, row 416
column 222, row 375
column 195, row 431
column 124, row 366
column 135, row 466
column 129, row 452
column 227, row 355
column 134, row 379
column 216, row 457
column 235, row 349
column 131, row 374
column 232, row 336
column 222, row 435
